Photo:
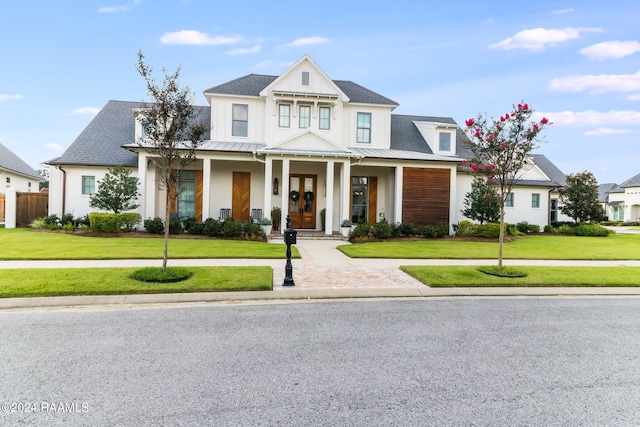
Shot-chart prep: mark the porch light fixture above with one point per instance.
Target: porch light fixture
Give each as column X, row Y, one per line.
column 275, row 186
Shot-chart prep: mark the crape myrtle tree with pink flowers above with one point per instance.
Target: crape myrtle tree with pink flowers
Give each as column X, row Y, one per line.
column 500, row 152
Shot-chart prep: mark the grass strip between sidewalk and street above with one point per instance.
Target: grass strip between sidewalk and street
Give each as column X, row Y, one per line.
column 40, row 282
column 470, row 276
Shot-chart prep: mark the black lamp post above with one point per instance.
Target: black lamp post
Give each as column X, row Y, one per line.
column 289, row 239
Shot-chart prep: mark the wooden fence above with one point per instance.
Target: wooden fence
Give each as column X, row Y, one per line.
column 1, row 207
column 30, row 206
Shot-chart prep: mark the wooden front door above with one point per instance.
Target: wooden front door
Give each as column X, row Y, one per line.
column 302, row 201
column 241, row 196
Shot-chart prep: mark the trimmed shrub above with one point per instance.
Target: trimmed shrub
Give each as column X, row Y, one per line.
column 193, row 226
column 52, row 220
column 105, row 222
column 566, row 229
column 154, row 226
column 406, row 229
column 175, row 225
column 466, row 229
column 361, row 230
column 130, row 220
column 381, row 230
column 212, row 227
column 438, row 230
column 592, row 230
column 490, row 230
column 251, row 230
column 231, row 228
column 68, row 219
column 69, row 227
column 525, row 227
column 549, row 229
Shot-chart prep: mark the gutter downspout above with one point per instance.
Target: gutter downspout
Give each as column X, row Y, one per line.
column 64, row 188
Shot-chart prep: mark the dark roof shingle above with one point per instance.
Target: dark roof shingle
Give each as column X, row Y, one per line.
column 10, row 161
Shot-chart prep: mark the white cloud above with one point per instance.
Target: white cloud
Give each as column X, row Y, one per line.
column 193, row 37
column 307, row 41
column 606, row 131
column 537, row 39
column 4, row 98
column 611, row 50
column 562, row 11
column 635, row 97
column 53, row 147
column 244, row 51
column 591, row 118
column 85, row 111
column 113, row 9
column 597, row 83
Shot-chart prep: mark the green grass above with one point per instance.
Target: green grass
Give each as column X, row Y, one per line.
column 470, row 276
column 26, row 244
column 81, row 281
column 614, row 247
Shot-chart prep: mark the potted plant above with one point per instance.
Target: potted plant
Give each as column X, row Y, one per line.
column 265, row 225
column 345, row 227
column 276, row 215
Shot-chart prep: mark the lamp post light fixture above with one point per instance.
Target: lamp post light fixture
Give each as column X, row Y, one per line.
column 289, row 239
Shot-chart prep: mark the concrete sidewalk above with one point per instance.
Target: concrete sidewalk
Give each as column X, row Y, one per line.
column 322, row 272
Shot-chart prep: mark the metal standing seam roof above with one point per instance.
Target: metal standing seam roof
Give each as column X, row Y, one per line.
column 10, row 161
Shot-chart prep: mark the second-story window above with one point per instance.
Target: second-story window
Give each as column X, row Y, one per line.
column 305, row 78
column 305, row 116
column 444, row 144
column 325, row 115
column 240, row 120
column 284, row 115
column 363, row 133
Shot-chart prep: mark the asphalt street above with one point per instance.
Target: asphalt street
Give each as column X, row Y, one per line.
column 464, row 361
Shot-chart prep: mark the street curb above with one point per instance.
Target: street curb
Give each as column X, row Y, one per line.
column 309, row 294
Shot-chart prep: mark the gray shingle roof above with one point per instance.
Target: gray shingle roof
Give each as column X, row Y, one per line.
column 100, row 143
column 253, row 84
column 605, row 189
column 549, row 169
column 10, row 161
column 634, row 181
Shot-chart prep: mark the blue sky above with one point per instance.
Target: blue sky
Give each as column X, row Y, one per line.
column 575, row 62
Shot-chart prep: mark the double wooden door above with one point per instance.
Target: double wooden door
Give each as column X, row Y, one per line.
column 302, row 201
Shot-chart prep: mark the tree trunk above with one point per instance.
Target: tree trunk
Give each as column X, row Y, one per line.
column 167, row 219
column 501, row 238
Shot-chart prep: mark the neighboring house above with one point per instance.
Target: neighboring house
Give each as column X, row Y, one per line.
column 302, row 142
column 16, row 174
column 621, row 202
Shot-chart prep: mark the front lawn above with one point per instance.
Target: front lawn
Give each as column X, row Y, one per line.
column 26, row 244
column 470, row 276
column 38, row 282
column 614, row 247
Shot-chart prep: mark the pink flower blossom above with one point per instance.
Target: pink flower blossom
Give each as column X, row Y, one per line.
column 490, row 137
column 464, row 161
column 474, row 167
column 502, row 119
column 469, row 122
column 535, row 127
column 544, row 121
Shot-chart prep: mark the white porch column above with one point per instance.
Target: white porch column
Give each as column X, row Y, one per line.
column 452, row 198
column 285, row 193
column 206, row 188
column 397, row 208
column 142, row 177
column 345, row 192
column 328, row 217
column 10, row 205
column 268, row 182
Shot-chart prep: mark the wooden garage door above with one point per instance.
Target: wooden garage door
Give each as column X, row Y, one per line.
column 425, row 196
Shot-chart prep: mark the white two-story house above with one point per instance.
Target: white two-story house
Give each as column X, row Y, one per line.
column 299, row 141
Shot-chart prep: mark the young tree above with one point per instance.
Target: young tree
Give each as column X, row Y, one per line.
column 481, row 203
column 500, row 151
column 172, row 132
column 117, row 192
column 580, row 198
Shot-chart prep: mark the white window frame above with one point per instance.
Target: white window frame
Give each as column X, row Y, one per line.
column 92, row 190
column 363, row 133
column 326, row 119
column 440, row 141
column 238, row 120
column 535, row 197
column 304, row 121
column 509, row 201
column 284, row 115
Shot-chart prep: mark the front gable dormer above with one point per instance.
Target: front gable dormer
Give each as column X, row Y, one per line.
column 441, row 137
column 308, row 142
